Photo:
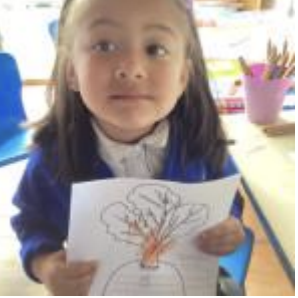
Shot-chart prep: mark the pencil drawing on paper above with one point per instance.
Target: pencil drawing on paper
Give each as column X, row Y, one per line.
column 152, row 218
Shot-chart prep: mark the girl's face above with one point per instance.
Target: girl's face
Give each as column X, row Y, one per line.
column 129, row 63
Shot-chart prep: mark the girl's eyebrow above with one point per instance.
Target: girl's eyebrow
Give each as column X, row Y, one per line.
column 163, row 28
column 154, row 26
column 104, row 22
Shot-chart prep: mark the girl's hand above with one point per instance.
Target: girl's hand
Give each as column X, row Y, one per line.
column 61, row 278
column 222, row 238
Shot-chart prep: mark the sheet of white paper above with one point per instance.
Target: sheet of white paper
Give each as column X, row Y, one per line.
column 142, row 233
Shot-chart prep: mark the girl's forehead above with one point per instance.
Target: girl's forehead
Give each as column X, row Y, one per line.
column 83, row 11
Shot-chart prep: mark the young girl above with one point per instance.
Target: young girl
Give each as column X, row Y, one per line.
column 131, row 99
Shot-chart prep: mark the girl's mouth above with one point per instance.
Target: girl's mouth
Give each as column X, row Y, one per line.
column 128, row 96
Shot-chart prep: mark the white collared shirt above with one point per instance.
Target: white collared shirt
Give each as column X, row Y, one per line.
column 143, row 159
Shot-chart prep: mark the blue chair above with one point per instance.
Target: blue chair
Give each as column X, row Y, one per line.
column 237, row 263
column 53, row 30
column 13, row 139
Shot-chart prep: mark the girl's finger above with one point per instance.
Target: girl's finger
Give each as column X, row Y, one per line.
column 219, row 246
column 71, row 287
column 222, row 239
column 229, row 226
column 82, row 285
column 217, row 239
column 220, row 250
column 80, row 269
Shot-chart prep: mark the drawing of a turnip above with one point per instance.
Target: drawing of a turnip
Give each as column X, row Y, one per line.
column 152, row 218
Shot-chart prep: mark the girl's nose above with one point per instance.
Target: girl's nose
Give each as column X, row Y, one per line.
column 131, row 69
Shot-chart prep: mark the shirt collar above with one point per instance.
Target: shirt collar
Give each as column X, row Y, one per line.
column 116, row 151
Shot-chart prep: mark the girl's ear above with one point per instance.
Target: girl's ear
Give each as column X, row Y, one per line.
column 71, row 76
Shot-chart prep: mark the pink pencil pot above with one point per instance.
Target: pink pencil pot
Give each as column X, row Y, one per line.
column 264, row 98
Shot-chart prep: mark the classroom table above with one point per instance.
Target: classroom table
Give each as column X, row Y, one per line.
column 268, row 168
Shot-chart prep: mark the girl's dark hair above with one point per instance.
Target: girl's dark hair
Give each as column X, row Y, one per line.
column 67, row 125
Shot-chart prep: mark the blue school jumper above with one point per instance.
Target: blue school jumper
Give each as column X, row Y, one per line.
column 44, row 202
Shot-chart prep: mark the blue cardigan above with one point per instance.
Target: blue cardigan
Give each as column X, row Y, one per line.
column 44, row 202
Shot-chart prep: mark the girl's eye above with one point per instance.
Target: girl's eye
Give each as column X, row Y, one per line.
column 156, row 50
column 105, row 47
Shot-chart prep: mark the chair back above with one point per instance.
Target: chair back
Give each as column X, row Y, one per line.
column 237, row 263
column 53, row 30
column 11, row 107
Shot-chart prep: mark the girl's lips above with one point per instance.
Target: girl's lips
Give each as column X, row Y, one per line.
column 130, row 96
